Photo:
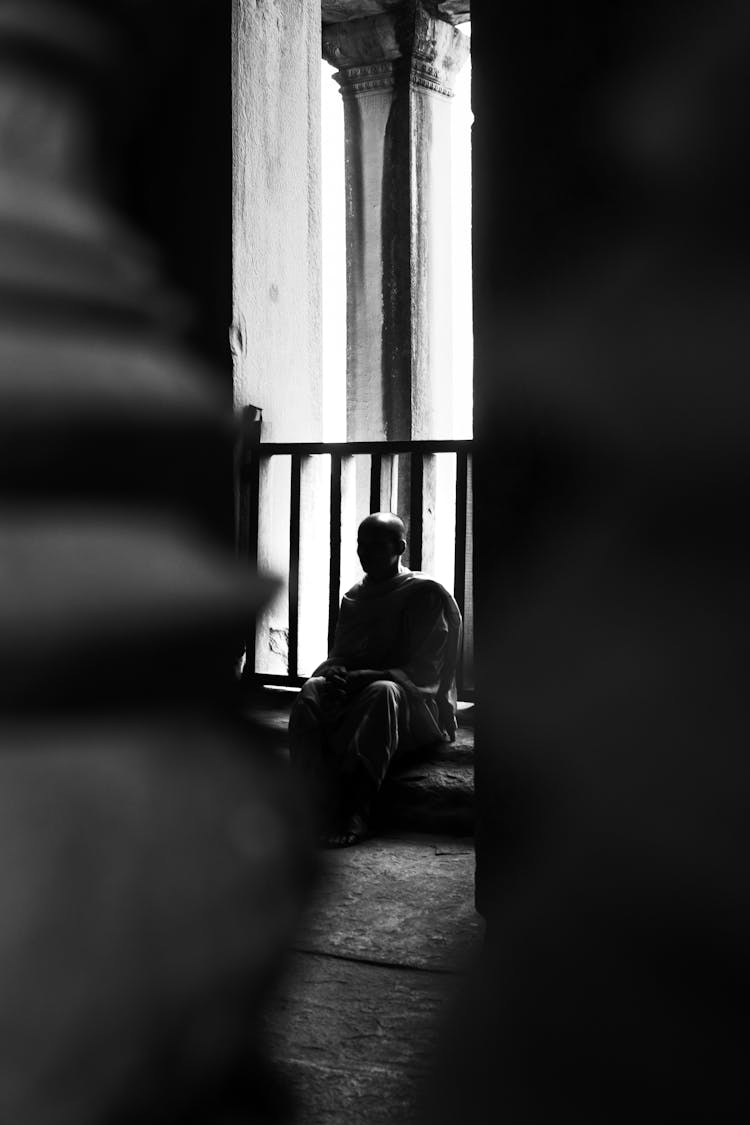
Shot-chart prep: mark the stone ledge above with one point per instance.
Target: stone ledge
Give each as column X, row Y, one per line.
column 433, row 795
column 433, row 792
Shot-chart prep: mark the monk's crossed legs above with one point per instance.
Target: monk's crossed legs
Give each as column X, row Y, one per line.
column 346, row 747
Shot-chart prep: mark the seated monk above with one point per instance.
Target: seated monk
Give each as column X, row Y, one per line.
column 386, row 689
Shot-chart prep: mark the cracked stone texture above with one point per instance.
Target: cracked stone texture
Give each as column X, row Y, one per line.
column 435, row 794
column 406, row 900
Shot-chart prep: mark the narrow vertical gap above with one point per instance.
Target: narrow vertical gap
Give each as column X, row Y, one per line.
column 335, row 566
column 294, row 520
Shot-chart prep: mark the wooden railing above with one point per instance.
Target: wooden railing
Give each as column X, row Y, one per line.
column 413, row 457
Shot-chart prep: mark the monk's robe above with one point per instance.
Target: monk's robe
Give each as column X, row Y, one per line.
column 408, row 627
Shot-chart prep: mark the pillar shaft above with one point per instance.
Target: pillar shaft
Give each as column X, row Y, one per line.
column 276, row 334
column 396, row 74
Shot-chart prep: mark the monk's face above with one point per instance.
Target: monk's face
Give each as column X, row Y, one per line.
column 379, row 551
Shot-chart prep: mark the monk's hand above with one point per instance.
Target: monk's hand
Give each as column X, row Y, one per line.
column 336, row 678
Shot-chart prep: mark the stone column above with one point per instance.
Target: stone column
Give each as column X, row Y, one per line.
column 396, row 72
column 276, row 334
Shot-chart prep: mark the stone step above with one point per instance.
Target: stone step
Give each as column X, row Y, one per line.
column 434, row 796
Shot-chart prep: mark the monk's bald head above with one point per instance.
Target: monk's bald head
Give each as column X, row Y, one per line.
column 381, row 541
column 383, row 523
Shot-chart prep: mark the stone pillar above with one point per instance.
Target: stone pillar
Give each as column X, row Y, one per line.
column 396, row 72
column 276, row 334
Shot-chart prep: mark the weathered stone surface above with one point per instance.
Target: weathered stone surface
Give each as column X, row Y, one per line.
column 454, row 11
column 277, row 268
column 434, row 792
column 365, row 43
column 437, row 796
column 276, row 337
column 355, row 1039
column 355, row 1015
column 355, row 1020
column 377, row 901
column 334, row 11
column 334, row 1095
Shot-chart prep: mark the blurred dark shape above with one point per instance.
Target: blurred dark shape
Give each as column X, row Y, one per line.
column 612, row 303
column 154, row 856
column 150, row 880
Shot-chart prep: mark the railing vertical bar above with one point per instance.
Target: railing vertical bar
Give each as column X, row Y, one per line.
column 294, row 520
column 459, row 581
column 335, row 567
column 375, row 471
column 416, row 502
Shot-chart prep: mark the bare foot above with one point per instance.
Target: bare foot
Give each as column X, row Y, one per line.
column 352, row 832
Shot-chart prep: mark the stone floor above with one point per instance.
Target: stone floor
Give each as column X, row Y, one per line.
column 379, row 956
column 371, row 975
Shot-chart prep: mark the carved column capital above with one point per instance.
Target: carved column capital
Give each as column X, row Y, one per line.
column 371, row 52
column 365, row 51
column 355, row 80
column 438, row 52
column 396, row 70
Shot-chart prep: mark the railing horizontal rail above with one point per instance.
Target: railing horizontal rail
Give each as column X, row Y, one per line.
column 348, row 448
